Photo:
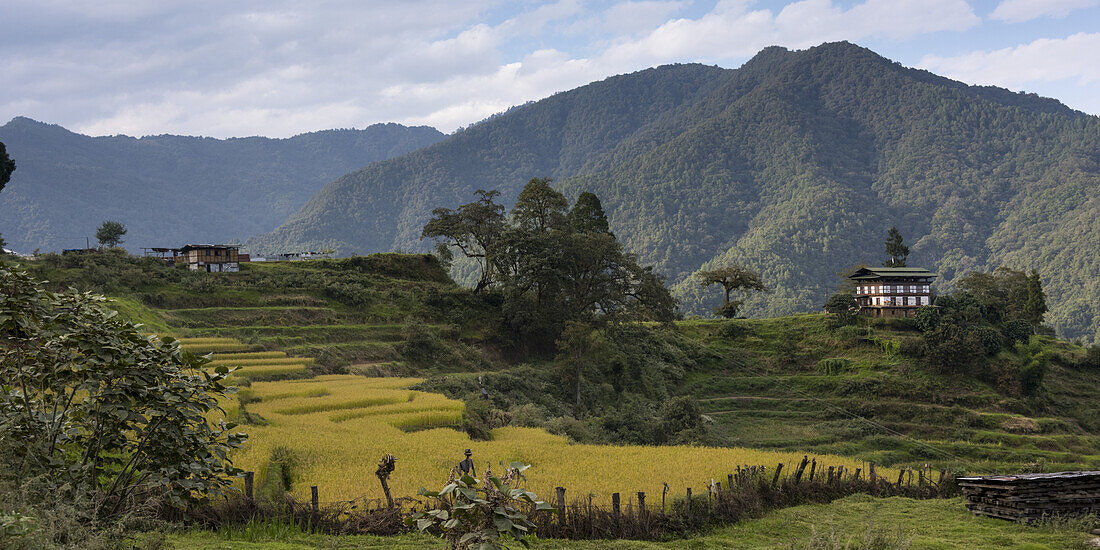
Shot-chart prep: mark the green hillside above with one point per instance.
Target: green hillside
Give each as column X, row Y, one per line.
column 794, row 383
column 795, row 164
column 170, row 190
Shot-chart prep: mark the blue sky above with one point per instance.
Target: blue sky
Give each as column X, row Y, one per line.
column 278, row 68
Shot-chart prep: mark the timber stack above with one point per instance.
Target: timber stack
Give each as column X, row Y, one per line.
column 1030, row 497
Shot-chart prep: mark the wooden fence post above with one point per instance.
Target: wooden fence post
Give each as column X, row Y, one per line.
column 813, row 467
column 641, row 503
column 858, row 470
column 729, row 483
column 901, row 476
column 943, row 474
column 314, row 502
column 871, row 473
column 248, row 479
column 910, row 470
column 561, row 503
column 920, row 478
column 615, row 509
column 801, row 468
column 689, row 498
column 831, row 470
column 775, row 479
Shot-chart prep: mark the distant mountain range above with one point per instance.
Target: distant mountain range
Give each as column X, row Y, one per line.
column 795, row 164
column 171, row 190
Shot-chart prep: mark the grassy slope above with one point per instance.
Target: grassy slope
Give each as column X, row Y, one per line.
column 774, row 394
column 849, row 519
column 766, row 390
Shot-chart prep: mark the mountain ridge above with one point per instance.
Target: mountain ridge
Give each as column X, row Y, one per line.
column 169, row 189
column 795, row 164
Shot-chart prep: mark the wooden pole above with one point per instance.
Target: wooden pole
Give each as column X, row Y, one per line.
column 871, row 473
column 729, row 482
column 943, row 474
column 813, row 467
column 561, row 502
column 249, row 477
column 801, row 468
column 775, row 478
column 901, row 476
column 615, row 509
column 314, row 502
column 641, row 503
column 689, row 498
column 858, row 470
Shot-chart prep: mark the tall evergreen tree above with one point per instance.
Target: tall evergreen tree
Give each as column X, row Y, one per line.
column 897, row 251
column 587, row 215
column 1036, row 305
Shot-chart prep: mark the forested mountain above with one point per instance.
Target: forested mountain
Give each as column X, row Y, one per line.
column 168, row 190
column 795, row 164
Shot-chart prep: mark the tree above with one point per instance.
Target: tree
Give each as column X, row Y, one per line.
column 587, row 215
column 843, row 306
column 93, row 404
column 1036, row 305
column 732, row 278
column 7, row 166
column 474, row 229
column 539, row 207
column 110, row 233
column 897, row 251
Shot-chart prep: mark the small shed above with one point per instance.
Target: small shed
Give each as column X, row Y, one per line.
column 212, row 258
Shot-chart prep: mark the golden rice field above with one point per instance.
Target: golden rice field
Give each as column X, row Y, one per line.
column 338, row 426
column 254, row 365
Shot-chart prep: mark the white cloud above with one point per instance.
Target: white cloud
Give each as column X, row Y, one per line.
column 1044, row 60
column 1016, row 11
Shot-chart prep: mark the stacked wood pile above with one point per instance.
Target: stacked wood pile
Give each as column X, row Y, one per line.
column 1029, row 497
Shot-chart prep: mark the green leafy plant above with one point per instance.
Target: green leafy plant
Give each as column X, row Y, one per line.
column 480, row 515
column 89, row 401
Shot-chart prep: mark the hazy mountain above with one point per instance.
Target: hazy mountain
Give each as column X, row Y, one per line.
column 169, row 190
column 796, row 164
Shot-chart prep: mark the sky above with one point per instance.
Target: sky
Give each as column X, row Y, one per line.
column 279, row 68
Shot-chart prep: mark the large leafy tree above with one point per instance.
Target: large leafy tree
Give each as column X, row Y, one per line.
column 552, row 264
column 474, row 229
column 896, row 249
column 110, row 233
column 733, row 278
column 89, row 401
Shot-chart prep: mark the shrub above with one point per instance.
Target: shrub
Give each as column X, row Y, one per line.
column 528, row 415
column 989, row 337
column 477, row 515
column 1018, row 330
column 681, row 415
column 851, row 333
column 834, row 365
column 927, row 318
column 133, row 422
column 475, row 420
column 1092, row 357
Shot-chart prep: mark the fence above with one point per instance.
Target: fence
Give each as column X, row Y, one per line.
column 748, row 491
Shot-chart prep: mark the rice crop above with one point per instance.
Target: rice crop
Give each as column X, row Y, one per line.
column 249, row 355
column 338, row 438
column 263, row 361
column 260, row 372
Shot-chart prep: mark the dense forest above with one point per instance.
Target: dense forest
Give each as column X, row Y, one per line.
column 169, row 190
column 795, row 165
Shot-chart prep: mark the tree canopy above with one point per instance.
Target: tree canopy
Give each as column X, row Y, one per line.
column 110, row 233
column 732, row 278
column 895, row 249
column 551, row 264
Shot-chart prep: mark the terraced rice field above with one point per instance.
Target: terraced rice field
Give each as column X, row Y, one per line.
column 252, row 365
column 338, row 426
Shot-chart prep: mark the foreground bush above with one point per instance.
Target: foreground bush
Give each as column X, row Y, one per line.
column 101, row 411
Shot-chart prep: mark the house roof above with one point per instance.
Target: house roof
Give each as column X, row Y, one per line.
column 187, row 247
column 887, row 272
